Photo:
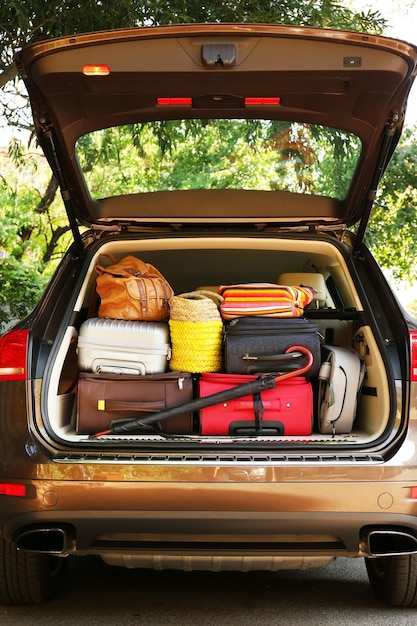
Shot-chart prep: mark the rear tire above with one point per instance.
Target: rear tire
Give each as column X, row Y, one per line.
column 394, row 579
column 28, row 578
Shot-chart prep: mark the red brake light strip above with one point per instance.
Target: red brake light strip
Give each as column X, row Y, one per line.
column 186, row 101
column 262, row 101
column 174, row 101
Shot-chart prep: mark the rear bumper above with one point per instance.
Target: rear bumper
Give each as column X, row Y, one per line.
column 219, row 519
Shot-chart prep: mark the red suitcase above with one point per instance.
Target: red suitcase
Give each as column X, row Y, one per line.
column 285, row 410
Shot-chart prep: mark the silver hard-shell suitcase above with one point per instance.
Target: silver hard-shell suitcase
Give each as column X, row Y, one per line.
column 123, row 346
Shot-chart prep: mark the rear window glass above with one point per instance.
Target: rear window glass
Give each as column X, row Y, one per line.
column 251, row 154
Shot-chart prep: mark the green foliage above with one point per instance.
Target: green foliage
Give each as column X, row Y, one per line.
column 21, row 285
column 218, row 154
column 392, row 233
column 25, row 225
column 25, row 20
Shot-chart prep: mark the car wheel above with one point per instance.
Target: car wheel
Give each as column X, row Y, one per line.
column 28, row 578
column 394, row 579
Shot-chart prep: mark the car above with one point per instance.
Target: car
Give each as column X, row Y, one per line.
column 221, row 155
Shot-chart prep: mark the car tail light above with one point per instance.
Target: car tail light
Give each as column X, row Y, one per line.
column 13, row 355
column 12, row 489
column 413, row 351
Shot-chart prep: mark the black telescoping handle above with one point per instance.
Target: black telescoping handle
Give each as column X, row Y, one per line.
column 256, row 386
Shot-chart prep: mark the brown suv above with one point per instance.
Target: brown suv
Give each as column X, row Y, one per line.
column 222, row 155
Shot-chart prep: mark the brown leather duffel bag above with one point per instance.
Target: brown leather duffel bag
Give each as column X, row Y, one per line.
column 133, row 290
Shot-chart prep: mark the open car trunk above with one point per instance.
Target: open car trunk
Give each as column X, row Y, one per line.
column 190, row 262
column 206, row 150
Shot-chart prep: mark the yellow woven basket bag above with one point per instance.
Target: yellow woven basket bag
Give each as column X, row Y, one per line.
column 196, row 331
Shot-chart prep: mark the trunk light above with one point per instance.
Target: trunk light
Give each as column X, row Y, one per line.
column 96, row 69
column 174, row 101
column 414, row 493
column 262, row 101
column 413, row 355
column 13, row 354
column 12, row 489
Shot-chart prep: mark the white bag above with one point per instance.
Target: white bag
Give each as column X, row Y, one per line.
column 340, row 380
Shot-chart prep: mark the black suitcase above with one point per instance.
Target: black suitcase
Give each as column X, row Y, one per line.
column 256, row 344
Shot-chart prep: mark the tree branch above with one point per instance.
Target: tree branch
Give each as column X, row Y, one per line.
column 8, row 74
column 48, row 196
column 57, row 233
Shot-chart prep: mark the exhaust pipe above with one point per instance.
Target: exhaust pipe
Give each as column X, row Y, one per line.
column 387, row 542
column 58, row 541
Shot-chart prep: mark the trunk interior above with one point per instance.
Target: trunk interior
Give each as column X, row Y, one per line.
column 206, row 262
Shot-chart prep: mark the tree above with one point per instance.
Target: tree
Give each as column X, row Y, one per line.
column 34, row 243
column 392, row 230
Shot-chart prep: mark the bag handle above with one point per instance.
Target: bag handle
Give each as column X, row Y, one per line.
column 137, row 268
column 272, row 362
column 216, row 297
column 129, row 406
column 278, row 358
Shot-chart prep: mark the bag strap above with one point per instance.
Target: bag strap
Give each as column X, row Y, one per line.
column 94, row 300
column 138, row 268
column 145, row 269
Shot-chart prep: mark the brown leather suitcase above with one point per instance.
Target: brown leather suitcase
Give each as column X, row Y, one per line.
column 105, row 398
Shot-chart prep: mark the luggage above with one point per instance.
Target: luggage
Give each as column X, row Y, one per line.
column 123, row 347
column 285, row 410
column 133, row 290
column 340, row 381
column 264, row 299
column 251, row 386
column 196, row 332
column 255, row 344
column 106, row 398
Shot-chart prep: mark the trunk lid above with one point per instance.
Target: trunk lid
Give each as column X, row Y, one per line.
column 318, row 105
